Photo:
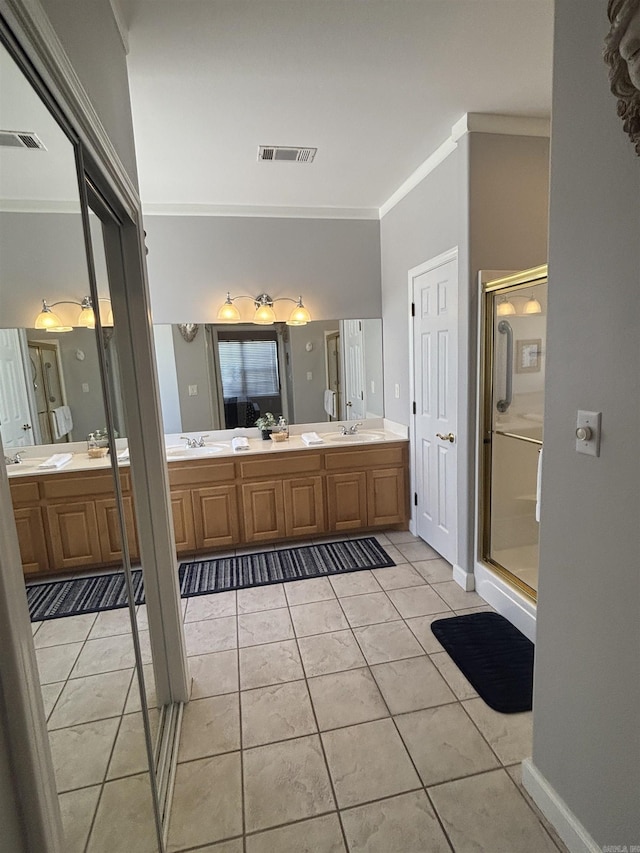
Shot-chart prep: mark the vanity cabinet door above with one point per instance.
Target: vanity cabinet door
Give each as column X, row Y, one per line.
column 109, row 529
column 31, row 538
column 73, row 535
column 303, row 506
column 183, row 520
column 386, row 496
column 215, row 516
column 263, row 511
column 347, row 500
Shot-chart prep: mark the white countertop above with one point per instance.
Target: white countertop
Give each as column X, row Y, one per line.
column 217, row 446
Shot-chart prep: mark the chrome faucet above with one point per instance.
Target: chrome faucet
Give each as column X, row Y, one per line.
column 13, row 460
column 194, row 442
column 352, row 430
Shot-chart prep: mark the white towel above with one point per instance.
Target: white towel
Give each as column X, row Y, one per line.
column 58, row 460
column 57, row 424
column 311, row 438
column 123, row 456
column 68, row 420
column 239, row 443
column 330, row 402
column 539, row 486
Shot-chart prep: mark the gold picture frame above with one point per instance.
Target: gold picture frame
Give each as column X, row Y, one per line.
column 528, row 355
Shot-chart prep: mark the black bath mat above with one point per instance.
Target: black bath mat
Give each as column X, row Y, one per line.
column 107, row 592
column 495, row 657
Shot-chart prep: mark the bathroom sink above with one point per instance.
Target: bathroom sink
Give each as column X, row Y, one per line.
column 356, row 438
column 195, row 452
column 27, row 463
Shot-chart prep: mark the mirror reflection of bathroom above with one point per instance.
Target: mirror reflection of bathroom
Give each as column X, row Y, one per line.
column 51, row 399
column 515, row 355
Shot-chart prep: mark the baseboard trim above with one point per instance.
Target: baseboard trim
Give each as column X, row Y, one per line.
column 553, row 807
column 464, row 579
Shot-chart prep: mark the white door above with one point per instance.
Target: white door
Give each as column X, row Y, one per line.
column 435, row 350
column 354, row 370
column 15, row 419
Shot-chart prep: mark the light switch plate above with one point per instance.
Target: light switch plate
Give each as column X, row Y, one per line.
column 193, row 390
column 590, row 421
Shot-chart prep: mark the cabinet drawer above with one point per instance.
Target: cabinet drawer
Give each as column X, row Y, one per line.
column 24, row 493
column 56, row 486
column 337, row 460
column 200, row 472
column 281, row 464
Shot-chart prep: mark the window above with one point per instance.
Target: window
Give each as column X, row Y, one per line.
column 249, row 368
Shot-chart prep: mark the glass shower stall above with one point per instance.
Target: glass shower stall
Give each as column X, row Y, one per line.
column 514, row 312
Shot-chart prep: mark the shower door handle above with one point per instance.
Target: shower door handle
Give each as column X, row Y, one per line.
column 504, row 327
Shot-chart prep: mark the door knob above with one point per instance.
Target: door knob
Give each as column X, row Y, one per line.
column 449, row 437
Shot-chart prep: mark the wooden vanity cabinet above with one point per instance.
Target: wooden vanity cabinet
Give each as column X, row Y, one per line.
column 205, row 504
column 31, row 539
column 215, row 516
column 263, row 511
column 303, row 506
column 347, row 500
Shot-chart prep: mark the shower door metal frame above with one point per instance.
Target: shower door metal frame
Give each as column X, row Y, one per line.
column 490, row 291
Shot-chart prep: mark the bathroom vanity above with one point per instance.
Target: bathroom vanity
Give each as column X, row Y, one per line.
column 67, row 519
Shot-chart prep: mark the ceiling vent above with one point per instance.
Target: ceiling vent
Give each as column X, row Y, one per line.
column 20, row 139
column 286, row 154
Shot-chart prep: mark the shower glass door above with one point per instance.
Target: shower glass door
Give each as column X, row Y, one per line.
column 515, row 312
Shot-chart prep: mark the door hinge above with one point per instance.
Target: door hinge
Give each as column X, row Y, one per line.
column 415, row 499
column 415, row 408
column 413, row 309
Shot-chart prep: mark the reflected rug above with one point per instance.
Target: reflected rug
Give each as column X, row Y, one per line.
column 494, row 656
column 107, row 592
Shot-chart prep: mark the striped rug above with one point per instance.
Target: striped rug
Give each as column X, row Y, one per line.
column 107, row 592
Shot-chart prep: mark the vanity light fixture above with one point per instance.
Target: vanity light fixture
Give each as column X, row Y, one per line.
column 50, row 322
column 532, row 306
column 505, row 308
column 264, row 314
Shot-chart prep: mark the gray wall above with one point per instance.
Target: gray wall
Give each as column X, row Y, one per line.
column 194, row 260
column 11, row 825
column 308, row 395
column 192, row 368
column 90, row 37
column 586, row 738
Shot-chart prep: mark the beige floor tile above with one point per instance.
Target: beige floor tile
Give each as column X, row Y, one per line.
column 382, row 538
column 487, row 812
column 308, row 590
column 354, row 583
column 77, row 809
column 111, row 622
column 133, row 699
column 94, row 697
column 81, row 753
column 34, row 627
column 443, row 744
column 369, row 609
column 214, row 674
column 515, row 772
column 233, row 846
column 207, row 802
column 456, row 597
column 211, row 635
column 411, row 684
column 388, row 641
column 318, row 835
column 332, row 652
column 212, row 606
column 50, row 694
column 318, row 618
column 254, row 549
column 69, row 629
column 421, row 628
column 406, row 823
column 209, row 727
column 346, row 698
column 134, row 828
column 397, row 577
column 130, row 750
column 278, row 712
column 367, row 762
column 269, row 664
column 56, row 662
column 434, row 571
column 397, row 536
column 452, row 675
column 417, row 601
column 109, row 653
column 509, row 735
column 416, row 551
column 267, row 597
column 392, row 552
column 484, row 609
column 265, row 626
column 284, row 782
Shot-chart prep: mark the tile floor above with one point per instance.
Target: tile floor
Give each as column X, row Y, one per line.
column 325, row 717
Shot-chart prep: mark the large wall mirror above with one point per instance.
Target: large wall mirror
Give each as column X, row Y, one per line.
column 58, row 382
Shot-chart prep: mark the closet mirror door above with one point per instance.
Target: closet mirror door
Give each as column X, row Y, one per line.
column 68, row 504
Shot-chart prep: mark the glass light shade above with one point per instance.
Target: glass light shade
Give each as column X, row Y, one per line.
column 109, row 320
column 49, row 321
column 265, row 315
column 299, row 316
column 228, row 312
column 532, row 306
column 86, row 318
column 505, row 308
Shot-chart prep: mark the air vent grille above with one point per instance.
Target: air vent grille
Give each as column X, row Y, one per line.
column 20, row 139
column 286, row 153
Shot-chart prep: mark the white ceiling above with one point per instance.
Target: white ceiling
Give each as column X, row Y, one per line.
column 376, row 85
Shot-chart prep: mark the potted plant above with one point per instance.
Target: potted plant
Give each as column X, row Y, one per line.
column 265, row 424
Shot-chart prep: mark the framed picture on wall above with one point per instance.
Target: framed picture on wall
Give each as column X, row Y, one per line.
column 528, row 355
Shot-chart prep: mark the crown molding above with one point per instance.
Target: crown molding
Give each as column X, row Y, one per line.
column 272, row 212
